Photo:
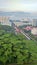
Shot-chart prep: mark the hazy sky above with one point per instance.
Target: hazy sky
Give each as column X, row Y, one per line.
column 18, row 5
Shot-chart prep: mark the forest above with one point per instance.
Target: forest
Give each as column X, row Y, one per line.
column 16, row 48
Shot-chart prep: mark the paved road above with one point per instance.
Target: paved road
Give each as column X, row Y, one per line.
column 25, row 35
column 28, row 36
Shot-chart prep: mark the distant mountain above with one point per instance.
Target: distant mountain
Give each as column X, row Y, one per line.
column 13, row 13
column 18, row 15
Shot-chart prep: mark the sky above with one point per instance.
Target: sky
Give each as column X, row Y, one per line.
column 18, row 5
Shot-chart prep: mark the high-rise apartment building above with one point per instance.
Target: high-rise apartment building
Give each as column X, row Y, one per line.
column 4, row 20
column 34, row 22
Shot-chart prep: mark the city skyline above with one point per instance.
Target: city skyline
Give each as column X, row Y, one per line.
column 18, row 5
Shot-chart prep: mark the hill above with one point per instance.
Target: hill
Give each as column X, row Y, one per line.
column 16, row 49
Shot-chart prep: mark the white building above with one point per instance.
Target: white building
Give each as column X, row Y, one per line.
column 5, row 20
column 34, row 31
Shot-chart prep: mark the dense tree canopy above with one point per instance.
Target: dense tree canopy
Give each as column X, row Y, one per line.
column 16, row 49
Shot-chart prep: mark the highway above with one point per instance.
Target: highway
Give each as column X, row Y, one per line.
column 25, row 35
column 28, row 36
column 21, row 31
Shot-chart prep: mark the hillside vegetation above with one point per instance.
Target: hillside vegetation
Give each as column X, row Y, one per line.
column 16, row 49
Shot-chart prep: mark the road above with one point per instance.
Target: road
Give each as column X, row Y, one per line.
column 28, row 36
column 21, row 31
column 25, row 35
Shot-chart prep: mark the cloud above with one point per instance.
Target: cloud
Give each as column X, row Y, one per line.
column 18, row 5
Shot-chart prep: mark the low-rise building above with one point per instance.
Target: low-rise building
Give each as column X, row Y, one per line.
column 28, row 28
